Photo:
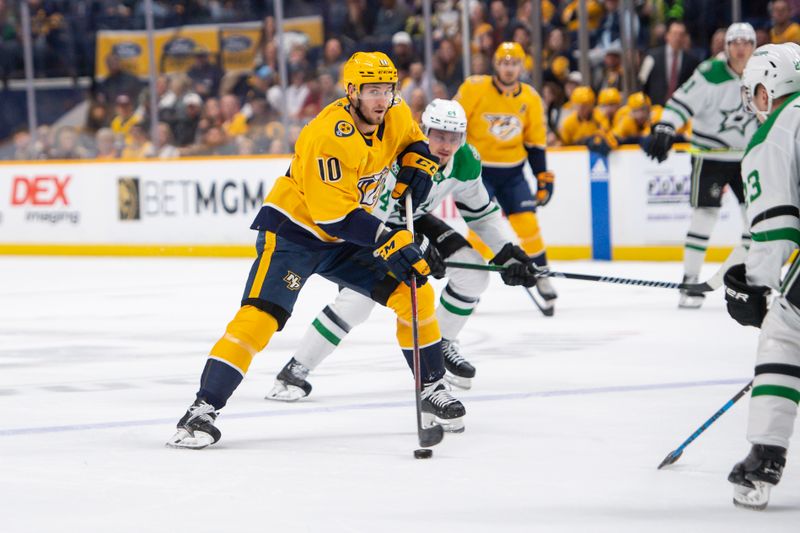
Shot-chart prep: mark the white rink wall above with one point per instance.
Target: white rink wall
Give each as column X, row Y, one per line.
column 205, row 206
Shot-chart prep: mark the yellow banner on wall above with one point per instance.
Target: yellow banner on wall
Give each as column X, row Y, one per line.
column 234, row 46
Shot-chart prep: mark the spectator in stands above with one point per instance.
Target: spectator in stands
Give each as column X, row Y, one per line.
column 67, row 144
column 609, row 101
column 574, row 80
column 762, row 37
column 296, row 92
column 138, row 145
column 447, row 67
column 608, row 31
column 569, row 15
column 610, row 74
column 329, row 89
column 184, row 128
column 553, row 99
column 212, row 114
column 125, row 119
column 403, row 52
column 234, row 122
column 667, row 67
column 417, row 102
column 24, row 148
column 631, row 127
column 357, row 27
column 43, row 145
column 717, row 47
column 480, row 65
column 498, row 13
column 204, row 74
column 332, row 58
column 391, row 18
column 587, row 125
column 415, row 80
column 164, row 147
column 96, row 117
column 214, row 143
column 118, row 82
column 783, row 29
column 105, row 144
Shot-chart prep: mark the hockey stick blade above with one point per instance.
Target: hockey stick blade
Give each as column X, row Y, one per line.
column 546, row 311
column 430, row 436
column 696, row 287
column 673, row 456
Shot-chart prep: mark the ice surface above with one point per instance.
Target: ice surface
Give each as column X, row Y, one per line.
column 567, row 420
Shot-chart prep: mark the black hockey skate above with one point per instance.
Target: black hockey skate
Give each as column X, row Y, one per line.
column 691, row 299
column 290, row 384
column 754, row 477
column 196, row 428
column 439, row 407
column 459, row 371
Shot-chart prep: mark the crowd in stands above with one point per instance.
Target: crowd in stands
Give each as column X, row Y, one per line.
column 206, row 111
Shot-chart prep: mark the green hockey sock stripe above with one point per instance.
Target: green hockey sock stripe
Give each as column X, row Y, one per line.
column 325, row 332
column 777, row 390
column 453, row 309
column 695, row 247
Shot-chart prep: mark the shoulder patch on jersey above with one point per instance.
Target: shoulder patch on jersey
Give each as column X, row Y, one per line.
column 761, row 133
column 343, row 129
column 715, row 71
column 466, row 164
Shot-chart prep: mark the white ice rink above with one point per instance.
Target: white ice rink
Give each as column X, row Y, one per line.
column 566, row 423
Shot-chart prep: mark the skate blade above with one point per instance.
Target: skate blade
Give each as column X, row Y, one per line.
column 458, row 381
column 755, row 499
column 452, row 425
column 285, row 393
column 184, row 439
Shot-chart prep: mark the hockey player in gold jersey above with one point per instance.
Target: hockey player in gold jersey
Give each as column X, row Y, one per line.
column 317, row 220
column 506, row 124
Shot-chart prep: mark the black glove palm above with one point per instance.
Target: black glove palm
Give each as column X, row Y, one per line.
column 746, row 304
column 431, row 256
column 519, row 270
column 658, row 144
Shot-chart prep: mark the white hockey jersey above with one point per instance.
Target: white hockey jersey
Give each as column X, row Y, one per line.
column 771, row 174
column 461, row 178
column 712, row 99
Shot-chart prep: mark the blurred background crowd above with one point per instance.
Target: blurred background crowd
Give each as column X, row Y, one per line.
column 206, row 109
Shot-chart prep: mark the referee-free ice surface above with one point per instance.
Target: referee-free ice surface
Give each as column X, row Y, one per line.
column 566, row 422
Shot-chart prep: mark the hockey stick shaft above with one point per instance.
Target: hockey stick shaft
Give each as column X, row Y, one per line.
column 433, row 435
column 699, row 287
column 675, row 454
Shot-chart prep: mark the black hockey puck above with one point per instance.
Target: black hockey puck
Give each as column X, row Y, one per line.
column 423, row 453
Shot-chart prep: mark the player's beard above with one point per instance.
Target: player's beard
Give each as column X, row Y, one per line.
column 507, row 81
column 363, row 116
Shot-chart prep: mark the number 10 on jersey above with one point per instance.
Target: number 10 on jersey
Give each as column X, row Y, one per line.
column 330, row 170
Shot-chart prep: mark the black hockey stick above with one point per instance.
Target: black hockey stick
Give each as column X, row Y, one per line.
column 433, row 435
column 675, row 454
column 695, row 287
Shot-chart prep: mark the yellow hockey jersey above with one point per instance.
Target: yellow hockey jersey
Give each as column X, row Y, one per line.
column 336, row 176
column 500, row 125
column 576, row 131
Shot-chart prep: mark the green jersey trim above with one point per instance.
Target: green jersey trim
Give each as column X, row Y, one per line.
column 780, row 234
column 716, row 71
column 466, row 164
column 761, row 133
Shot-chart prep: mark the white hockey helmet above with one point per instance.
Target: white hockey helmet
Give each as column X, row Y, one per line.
column 445, row 115
column 740, row 30
column 777, row 68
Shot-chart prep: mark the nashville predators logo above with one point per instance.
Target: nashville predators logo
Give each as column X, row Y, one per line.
column 503, row 127
column 343, row 129
column 293, row 281
column 369, row 188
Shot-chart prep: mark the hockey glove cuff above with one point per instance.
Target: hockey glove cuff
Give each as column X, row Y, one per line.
column 519, row 270
column 746, row 304
column 545, row 181
column 431, row 256
column 658, row 144
column 403, row 256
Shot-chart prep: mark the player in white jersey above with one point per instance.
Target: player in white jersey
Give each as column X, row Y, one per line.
column 771, row 175
column 444, row 122
column 721, row 128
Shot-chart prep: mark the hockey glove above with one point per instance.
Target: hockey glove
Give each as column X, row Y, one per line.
column 658, row 144
column 746, row 304
column 431, row 255
column 520, row 270
column 403, row 256
column 545, row 187
column 599, row 145
column 416, row 171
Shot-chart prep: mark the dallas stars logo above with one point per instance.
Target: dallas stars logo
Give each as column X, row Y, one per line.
column 735, row 119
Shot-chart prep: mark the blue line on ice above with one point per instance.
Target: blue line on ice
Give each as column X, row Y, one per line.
column 379, row 405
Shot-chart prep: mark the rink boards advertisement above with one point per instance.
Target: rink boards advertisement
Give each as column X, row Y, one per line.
column 204, row 206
